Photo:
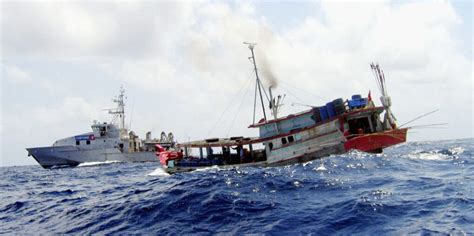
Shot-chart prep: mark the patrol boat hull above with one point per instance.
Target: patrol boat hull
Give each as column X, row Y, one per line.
column 70, row 156
column 107, row 142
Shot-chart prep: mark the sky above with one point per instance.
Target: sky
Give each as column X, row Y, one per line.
column 186, row 70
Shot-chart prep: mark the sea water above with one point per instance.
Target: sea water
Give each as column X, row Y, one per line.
column 418, row 187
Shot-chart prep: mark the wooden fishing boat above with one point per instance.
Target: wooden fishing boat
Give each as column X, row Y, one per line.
column 335, row 128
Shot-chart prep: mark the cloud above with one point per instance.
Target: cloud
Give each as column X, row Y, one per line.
column 14, row 74
column 40, row 126
column 87, row 30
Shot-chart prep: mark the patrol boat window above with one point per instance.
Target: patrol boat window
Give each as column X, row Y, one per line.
column 102, row 131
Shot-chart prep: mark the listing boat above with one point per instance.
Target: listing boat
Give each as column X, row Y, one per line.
column 335, row 128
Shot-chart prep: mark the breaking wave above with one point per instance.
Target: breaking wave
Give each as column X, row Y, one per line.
column 97, row 163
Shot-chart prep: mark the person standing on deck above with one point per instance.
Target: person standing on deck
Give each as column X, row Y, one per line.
column 241, row 151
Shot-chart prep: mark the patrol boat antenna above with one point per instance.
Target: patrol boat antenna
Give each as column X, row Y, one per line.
column 251, row 47
column 119, row 112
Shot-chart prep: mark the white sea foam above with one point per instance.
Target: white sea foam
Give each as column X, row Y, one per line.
column 321, row 168
column 428, row 156
column 97, row 163
column 215, row 167
column 159, row 172
column 456, row 150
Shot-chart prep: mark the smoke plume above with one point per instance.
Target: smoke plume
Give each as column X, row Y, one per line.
column 268, row 76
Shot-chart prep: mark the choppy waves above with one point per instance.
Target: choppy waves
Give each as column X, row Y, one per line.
column 412, row 188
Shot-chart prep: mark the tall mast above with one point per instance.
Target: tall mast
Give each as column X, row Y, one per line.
column 120, row 110
column 251, row 47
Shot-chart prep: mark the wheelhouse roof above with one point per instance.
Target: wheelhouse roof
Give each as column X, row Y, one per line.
column 279, row 119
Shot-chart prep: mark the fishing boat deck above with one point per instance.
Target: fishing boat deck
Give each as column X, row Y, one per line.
column 220, row 142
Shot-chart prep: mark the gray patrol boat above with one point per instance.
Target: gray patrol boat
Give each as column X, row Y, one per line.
column 108, row 142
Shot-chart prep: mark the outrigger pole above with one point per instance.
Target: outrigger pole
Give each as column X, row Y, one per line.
column 251, row 47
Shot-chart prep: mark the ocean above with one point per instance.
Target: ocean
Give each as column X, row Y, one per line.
column 413, row 188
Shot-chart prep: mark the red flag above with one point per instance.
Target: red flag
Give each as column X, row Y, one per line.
column 369, row 98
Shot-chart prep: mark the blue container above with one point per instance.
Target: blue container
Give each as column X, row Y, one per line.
column 356, row 97
column 324, row 113
column 353, row 104
column 331, row 110
column 358, row 103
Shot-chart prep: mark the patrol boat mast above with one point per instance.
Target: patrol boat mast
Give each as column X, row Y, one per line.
column 119, row 112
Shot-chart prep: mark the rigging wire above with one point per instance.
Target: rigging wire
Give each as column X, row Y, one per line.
column 244, row 85
column 238, row 109
column 419, row 117
column 428, row 126
column 264, row 91
column 303, row 90
column 255, row 102
column 293, row 95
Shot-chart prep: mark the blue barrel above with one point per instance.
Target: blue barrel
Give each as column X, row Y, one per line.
column 316, row 115
column 339, row 106
column 356, row 97
column 331, row 110
column 323, row 112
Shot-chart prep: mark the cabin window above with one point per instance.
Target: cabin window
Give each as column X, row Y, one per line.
column 270, row 145
column 88, row 142
column 78, row 142
column 283, row 141
column 291, row 139
column 298, row 137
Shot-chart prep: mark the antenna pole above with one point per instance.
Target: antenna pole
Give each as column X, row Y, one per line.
column 121, row 105
column 120, row 110
column 251, row 47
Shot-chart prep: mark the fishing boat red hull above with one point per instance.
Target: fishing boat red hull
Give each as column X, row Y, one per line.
column 375, row 142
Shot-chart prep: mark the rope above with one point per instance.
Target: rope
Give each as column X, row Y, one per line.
column 244, row 84
column 238, row 109
column 291, row 86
